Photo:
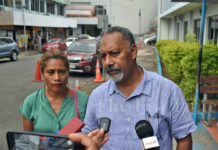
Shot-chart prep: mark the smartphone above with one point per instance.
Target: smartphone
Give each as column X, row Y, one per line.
column 27, row 140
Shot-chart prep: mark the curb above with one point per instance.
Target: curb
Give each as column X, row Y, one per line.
column 24, row 55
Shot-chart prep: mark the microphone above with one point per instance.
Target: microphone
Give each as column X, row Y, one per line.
column 145, row 132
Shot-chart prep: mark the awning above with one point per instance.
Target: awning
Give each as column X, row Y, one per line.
column 65, row 2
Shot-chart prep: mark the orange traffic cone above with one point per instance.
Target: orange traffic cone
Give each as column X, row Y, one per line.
column 77, row 84
column 140, row 44
column 98, row 73
column 38, row 73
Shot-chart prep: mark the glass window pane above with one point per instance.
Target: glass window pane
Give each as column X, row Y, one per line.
column 41, row 6
column 32, row 5
column 8, row 3
column 36, row 5
column 18, row 4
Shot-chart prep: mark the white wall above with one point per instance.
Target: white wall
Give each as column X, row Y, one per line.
column 126, row 13
column 42, row 20
column 164, row 28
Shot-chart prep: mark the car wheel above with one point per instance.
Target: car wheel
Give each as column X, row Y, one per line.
column 14, row 56
column 59, row 48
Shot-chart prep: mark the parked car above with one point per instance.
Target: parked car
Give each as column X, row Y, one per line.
column 54, row 44
column 8, row 48
column 150, row 41
column 70, row 40
column 85, row 36
column 83, row 54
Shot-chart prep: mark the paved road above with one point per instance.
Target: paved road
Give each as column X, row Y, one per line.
column 15, row 84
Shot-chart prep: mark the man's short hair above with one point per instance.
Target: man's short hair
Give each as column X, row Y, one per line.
column 126, row 33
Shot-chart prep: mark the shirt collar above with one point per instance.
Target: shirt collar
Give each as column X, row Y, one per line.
column 144, row 87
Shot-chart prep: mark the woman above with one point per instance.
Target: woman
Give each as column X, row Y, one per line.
column 52, row 107
column 29, row 43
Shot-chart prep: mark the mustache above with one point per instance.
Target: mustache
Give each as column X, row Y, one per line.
column 111, row 68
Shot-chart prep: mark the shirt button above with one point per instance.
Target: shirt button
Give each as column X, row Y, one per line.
column 128, row 136
column 127, row 102
column 63, row 110
column 128, row 119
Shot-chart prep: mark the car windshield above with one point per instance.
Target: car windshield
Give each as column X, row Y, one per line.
column 52, row 41
column 82, row 47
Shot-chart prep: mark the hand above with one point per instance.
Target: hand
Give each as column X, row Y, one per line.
column 91, row 141
column 101, row 141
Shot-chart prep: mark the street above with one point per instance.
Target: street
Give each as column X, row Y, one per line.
column 16, row 84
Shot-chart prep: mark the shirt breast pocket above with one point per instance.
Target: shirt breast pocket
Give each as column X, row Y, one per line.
column 160, row 126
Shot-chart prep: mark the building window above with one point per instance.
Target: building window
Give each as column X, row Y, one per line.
column 26, row 4
column 7, row 3
column 213, row 29
column 185, row 29
column 42, row 6
column 35, row 5
column 60, row 10
column 18, row 4
column 197, row 29
column 50, row 8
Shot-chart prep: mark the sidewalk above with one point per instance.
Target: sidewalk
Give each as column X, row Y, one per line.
column 23, row 53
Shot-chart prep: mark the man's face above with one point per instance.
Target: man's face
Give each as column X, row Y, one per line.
column 116, row 56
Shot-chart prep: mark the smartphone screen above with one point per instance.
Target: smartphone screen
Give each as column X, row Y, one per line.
column 28, row 141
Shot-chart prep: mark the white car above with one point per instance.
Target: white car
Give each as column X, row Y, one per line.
column 70, row 40
column 147, row 39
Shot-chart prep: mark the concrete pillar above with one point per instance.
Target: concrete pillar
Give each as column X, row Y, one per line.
column 175, row 27
column 190, row 21
column 65, row 15
column 45, row 8
column 159, row 23
column 169, row 28
column 47, row 34
column 29, row 5
column 181, row 28
column 56, row 9
column 67, row 33
column 14, row 5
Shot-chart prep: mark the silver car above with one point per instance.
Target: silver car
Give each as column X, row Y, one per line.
column 8, row 48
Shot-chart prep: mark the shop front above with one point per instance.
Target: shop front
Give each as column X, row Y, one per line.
column 7, row 31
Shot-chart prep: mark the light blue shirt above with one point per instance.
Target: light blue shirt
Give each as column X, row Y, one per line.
column 155, row 94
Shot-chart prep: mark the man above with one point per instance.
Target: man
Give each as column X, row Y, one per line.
column 132, row 93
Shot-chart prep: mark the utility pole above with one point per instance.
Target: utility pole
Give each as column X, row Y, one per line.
column 140, row 22
column 25, row 45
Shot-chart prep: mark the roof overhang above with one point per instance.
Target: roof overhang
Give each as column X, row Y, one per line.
column 65, row 2
column 180, row 8
column 196, row 1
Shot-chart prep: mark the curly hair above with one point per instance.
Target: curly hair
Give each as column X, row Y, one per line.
column 53, row 54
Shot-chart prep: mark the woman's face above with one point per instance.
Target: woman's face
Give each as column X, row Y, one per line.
column 55, row 75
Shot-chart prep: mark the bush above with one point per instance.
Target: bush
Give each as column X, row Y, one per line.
column 181, row 61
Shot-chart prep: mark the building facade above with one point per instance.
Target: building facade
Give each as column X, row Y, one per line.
column 176, row 18
column 136, row 15
column 41, row 17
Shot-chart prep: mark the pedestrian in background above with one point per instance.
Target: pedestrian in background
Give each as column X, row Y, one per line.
column 49, row 109
column 30, row 44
